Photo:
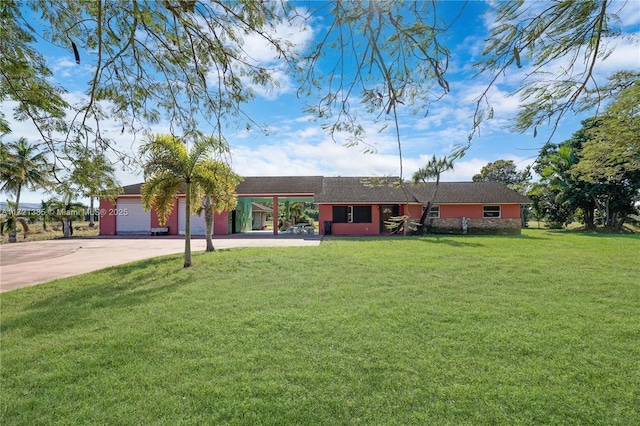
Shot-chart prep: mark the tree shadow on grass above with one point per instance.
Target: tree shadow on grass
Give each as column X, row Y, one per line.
column 597, row 234
column 452, row 239
column 113, row 288
column 473, row 239
column 461, row 241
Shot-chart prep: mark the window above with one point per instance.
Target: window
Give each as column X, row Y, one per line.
column 340, row 214
column 352, row 214
column 491, row 211
column 362, row 214
column 434, row 213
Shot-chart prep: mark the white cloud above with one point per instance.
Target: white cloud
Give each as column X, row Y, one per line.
column 63, row 67
column 627, row 10
column 295, row 32
column 625, row 55
column 464, row 170
column 295, row 35
column 310, row 152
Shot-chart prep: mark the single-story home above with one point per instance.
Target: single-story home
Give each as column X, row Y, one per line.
column 347, row 206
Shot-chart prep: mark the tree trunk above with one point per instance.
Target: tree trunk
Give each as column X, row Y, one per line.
column 66, row 227
column 18, row 201
column 424, row 219
column 208, row 224
column 91, row 224
column 187, row 230
column 13, row 230
column 588, row 215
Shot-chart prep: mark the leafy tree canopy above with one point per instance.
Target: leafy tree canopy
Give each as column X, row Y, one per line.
column 24, row 165
column 596, row 173
column 561, row 44
column 504, row 171
column 612, row 152
column 182, row 61
column 186, row 62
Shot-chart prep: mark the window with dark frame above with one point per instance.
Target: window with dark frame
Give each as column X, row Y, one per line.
column 490, row 211
column 352, row 214
column 361, row 214
column 340, row 214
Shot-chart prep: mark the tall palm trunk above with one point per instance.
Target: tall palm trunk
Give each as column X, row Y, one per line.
column 45, row 212
column 13, row 228
column 187, row 230
column 66, row 227
column 18, row 199
column 425, row 220
column 91, row 224
column 208, row 223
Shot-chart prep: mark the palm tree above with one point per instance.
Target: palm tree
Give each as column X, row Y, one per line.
column 23, row 165
column 220, row 194
column 560, row 187
column 170, row 167
column 66, row 211
column 94, row 176
column 9, row 220
column 433, row 169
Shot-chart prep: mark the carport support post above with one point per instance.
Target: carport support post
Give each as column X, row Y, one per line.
column 275, row 215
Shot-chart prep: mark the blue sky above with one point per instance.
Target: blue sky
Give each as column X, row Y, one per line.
column 296, row 144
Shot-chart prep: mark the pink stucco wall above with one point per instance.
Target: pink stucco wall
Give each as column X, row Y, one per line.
column 510, row 211
column 415, row 210
column 474, row 211
column 471, row 211
column 325, row 213
column 107, row 221
column 221, row 223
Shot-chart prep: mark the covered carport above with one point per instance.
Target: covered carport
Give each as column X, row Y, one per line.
column 274, row 189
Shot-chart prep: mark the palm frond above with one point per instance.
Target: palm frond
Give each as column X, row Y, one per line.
column 160, row 191
column 164, row 153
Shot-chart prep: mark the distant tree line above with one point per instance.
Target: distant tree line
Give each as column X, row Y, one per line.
column 593, row 177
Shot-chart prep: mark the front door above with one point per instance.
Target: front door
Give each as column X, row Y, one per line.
column 386, row 213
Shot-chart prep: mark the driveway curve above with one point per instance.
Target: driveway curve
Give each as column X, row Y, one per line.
column 36, row 262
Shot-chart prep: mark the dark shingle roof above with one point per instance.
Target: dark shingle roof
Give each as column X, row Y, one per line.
column 363, row 190
column 280, row 185
column 265, row 185
column 132, row 189
column 470, row 193
column 373, row 190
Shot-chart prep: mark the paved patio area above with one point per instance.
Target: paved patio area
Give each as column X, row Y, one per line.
column 36, row 262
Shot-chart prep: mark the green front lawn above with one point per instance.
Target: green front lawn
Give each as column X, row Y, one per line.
column 538, row 329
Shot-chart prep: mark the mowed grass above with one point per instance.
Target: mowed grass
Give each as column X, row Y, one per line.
column 542, row 328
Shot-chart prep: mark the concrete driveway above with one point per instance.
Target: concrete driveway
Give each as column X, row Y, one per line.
column 36, row 262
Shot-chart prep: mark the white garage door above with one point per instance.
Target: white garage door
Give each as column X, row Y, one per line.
column 131, row 217
column 197, row 221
